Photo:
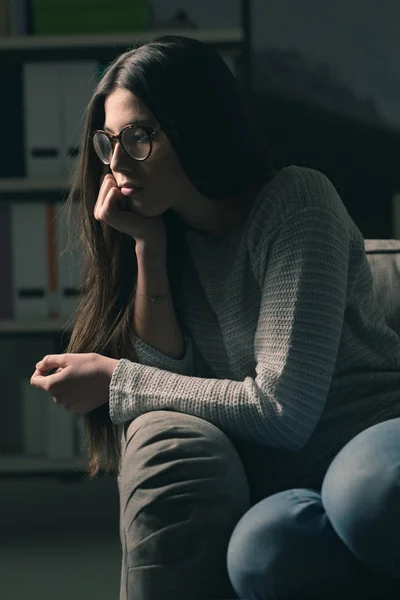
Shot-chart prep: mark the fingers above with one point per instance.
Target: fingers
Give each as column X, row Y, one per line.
column 110, row 204
column 46, row 381
column 106, row 187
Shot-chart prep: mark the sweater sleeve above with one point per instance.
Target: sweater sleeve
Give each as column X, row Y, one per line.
column 303, row 272
column 147, row 355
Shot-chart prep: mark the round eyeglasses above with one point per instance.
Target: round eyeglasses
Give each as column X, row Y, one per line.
column 136, row 140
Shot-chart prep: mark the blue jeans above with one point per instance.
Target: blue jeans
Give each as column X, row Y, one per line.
column 341, row 542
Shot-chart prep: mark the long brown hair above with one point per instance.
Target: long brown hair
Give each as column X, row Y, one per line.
column 194, row 96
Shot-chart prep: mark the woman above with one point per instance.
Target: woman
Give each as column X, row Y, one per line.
column 227, row 352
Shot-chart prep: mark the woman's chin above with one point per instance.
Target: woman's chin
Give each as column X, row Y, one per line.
column 144, row 209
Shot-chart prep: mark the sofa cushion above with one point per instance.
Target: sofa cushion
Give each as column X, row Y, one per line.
column 384, row 260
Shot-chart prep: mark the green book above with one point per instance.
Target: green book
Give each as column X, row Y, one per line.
column 87, row 16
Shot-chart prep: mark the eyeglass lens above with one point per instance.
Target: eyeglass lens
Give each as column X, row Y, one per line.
column 135, row 142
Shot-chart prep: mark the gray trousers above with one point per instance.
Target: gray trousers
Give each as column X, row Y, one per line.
column 182, row 491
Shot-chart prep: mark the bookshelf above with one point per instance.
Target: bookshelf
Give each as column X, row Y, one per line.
column 105, row 47
column 16, row 50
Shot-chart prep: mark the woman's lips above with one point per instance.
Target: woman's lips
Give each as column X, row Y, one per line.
column 128, row 191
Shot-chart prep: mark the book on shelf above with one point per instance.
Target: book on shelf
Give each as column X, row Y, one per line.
column 5, row 17
column 78, row 80
column 6, row 269
column 15, row 17
column 49, row 429
column 60, row 439
column 43, row 120
column 69, row 260
column 56, row 94
column 34, row 419
column 29, row 257
column 40, row 263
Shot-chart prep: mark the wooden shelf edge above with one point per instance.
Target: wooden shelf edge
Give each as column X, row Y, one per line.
column 33, row 42
column 27, row 464
column 33, row 325
column 23, row 184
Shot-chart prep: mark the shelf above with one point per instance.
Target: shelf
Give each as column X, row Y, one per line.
column 104, row 46
column 24, row 189
column 50, row 42
column 16, row 185
column 25, row 464
column 33, row 325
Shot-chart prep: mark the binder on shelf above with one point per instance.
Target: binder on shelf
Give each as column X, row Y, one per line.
column 12, row 157
column 43, row 127
column 10, row 395
column 79, row 78
column 69, row 259
column 35, row 402
column 20, row 17
column 80, row 448
column 5, row 21
column 52, row 262
column 29, row 259
column 6, row 270
column 60, row 440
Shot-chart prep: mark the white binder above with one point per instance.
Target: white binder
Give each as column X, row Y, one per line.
column 5, row 19
column 43, row 131
column 60, row 432
column 35, row 402
column 29, row 259
column 79, row 79
column 69, row 259
column 80, row 448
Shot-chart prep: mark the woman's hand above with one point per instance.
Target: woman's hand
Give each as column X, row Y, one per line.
column 81, row 382
column 112, row 207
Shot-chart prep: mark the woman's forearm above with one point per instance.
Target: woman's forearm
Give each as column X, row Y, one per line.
column 156, row 324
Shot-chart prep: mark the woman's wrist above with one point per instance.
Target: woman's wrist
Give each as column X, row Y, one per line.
column 151, row 254
column 152, row 275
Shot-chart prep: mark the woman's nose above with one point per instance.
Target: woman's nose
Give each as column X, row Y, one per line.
column 119, row 157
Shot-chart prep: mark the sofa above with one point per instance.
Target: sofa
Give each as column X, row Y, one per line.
column 384, row 260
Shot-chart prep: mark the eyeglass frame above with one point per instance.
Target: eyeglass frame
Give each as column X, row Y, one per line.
column 150, row 130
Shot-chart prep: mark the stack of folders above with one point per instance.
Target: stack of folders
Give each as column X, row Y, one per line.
column 45, row 281
column 55, row 98
column 40, row 262
column 49, row 430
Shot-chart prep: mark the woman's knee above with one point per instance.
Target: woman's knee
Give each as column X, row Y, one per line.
column 280, row 547
column 175, row 448
column 361, row 495
column 181, row 483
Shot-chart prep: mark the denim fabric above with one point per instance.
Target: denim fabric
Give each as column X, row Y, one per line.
column 340, row 542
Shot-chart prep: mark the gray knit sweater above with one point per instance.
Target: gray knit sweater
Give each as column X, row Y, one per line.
column 285, row 346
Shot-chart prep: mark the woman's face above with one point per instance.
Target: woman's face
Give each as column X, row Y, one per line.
column 161, row 179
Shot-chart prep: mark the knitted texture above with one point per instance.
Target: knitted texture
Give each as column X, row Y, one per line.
column 286, row 346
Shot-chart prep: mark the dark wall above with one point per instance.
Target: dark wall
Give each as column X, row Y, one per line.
column 362, row 160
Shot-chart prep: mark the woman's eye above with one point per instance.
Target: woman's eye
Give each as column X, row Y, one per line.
column 140, row 137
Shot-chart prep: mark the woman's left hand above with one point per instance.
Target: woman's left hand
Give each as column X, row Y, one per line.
column 81, row 382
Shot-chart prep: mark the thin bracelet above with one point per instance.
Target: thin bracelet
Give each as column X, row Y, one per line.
column 153, row 299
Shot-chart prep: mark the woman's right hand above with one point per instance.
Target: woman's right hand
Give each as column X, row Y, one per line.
column 112, row 208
